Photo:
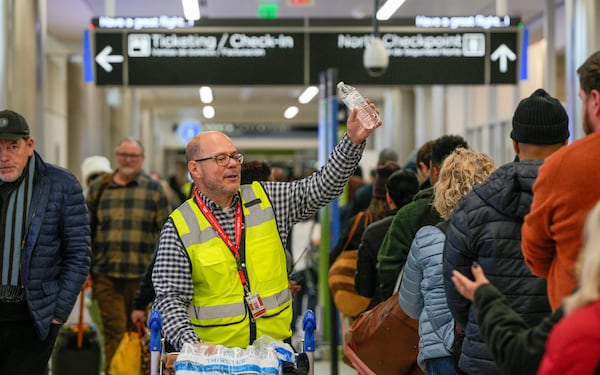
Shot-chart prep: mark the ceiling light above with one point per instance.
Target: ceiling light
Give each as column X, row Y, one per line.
column 206, row 95
column 290, row 112
column 208, row 111
column 308, row 94
column 191, row 9
column 388, row 9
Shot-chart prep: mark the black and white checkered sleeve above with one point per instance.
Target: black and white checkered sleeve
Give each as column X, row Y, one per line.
column 172, row 281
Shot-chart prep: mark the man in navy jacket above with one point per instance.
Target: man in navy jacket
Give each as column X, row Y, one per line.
column 485, row 227
column 45, row 249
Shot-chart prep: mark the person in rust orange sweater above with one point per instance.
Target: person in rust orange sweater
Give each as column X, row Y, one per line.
column 565, row 191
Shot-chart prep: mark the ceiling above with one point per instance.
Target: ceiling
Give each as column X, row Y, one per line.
column 66, row 20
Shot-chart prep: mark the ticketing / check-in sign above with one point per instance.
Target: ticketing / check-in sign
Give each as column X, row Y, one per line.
column 236, row 58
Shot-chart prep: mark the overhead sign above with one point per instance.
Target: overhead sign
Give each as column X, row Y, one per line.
column 236, row 58
column 419, row 57
column 187, row 130
column 160, row 22
column 109, row 58
column 503, row 58
column 268, row 11
column 248, row 56
column 455, row 22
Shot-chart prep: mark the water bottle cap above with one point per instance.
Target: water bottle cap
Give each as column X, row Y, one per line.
column 340, row 84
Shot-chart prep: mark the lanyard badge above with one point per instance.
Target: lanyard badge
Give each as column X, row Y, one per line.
column 256, row 305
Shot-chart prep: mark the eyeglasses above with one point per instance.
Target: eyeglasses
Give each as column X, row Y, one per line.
column 123, row 155
column 223, row 159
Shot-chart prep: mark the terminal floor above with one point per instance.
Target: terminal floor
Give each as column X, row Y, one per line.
column 323, row 367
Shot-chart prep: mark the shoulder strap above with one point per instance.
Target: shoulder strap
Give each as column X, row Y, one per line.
column 353, row 230
column 104, row 182
column 368, row 219
column 399, row 280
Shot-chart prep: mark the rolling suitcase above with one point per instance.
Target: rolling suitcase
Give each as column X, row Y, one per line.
column 77, row 350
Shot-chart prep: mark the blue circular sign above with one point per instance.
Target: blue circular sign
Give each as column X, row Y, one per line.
column 187, row 130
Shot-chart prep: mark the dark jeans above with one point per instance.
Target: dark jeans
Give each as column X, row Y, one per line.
column 308, row 280
column 440, row 366
column 22, row 351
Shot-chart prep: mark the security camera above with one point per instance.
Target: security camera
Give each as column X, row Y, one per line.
column 375, row 57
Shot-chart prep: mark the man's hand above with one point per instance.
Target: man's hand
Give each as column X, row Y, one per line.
column 465, row 286
column 202, row 346
column 294, row 286
column 138, row 316
column 357, row 133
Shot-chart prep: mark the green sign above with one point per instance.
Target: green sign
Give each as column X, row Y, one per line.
column 268, row 11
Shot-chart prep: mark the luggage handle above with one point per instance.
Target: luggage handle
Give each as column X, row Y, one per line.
column 80, row 325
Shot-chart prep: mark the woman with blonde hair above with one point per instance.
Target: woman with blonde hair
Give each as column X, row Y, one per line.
column 422, row 294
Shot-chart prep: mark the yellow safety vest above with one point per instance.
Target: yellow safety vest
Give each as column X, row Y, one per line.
column 218, row 311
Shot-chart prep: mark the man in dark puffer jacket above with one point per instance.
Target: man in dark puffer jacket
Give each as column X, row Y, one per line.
column 486, row 227
column 46, row 249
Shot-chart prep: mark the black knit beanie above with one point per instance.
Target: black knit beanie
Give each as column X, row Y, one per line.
column 540, row 120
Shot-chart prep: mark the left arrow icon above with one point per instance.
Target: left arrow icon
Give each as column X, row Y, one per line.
column 105, row 59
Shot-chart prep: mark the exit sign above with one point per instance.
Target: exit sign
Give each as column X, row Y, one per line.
column 301, row 3
column 268, row 11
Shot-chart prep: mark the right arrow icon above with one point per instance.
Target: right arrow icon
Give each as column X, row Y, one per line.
column 503, row 53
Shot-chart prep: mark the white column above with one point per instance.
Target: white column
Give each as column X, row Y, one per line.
column 437, row 110
column 501, row 9
column 398, row 117
column 582, row 41
column 422, row 118
column 5, row 51
column 550, row 36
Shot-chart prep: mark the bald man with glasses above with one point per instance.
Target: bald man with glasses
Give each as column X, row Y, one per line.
column 220, row 273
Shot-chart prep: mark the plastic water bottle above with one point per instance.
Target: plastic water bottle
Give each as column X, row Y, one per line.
column 367, row 116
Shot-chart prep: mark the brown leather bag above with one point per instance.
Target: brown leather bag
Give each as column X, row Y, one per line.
column 384, row 340
column 341, row 277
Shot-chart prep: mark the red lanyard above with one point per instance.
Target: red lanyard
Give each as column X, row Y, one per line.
column 234, row 247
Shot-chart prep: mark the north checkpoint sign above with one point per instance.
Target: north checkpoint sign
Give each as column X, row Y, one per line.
column 141, row 58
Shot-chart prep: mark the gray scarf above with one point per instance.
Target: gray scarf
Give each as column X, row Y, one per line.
column 16, row 221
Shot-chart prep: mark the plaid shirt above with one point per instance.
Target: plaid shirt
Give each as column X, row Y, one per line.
column 125, row 222
column 292, row 202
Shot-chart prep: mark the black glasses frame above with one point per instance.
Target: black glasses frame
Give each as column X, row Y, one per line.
column 223, row 159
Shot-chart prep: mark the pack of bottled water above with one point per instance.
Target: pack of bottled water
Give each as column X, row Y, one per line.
column 265, row 356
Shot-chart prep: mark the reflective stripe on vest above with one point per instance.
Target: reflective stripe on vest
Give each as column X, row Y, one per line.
column 218, row 311
column 236, row 309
